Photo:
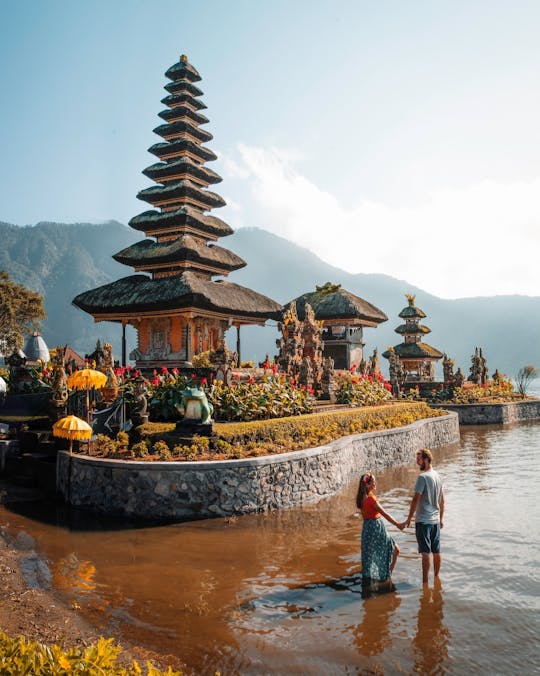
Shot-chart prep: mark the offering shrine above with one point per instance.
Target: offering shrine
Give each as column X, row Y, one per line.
column 416, row 358
column 175, row 303
column 343, row 316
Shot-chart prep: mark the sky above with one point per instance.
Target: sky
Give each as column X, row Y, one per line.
column 387, row 137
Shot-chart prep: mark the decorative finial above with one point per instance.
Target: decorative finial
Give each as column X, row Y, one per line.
column 410, row 298
column 183, row 58
column 328, row 288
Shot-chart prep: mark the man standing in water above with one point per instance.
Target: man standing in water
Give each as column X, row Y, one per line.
column 428, row 504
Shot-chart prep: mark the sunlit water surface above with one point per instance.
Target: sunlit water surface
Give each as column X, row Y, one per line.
column 280, row 593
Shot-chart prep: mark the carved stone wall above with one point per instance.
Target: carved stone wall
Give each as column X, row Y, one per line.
column 196, row 490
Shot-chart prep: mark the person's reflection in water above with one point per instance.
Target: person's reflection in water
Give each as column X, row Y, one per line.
column 431, row 641
column 373, row 633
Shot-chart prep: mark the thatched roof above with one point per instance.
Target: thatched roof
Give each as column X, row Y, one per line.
column 173, row 100
column 182, row 145
column 181, row 189
column 412, row 328
column 183, row 70
column 415, row 351
column 183, row 127
column 139, row 294
column 179, row 112
column 185, row 248
column 183, row 165
column 183, row 217
column 331, row 302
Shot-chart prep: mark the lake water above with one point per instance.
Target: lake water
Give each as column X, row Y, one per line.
column 279, row 593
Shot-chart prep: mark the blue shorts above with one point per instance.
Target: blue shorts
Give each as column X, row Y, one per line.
column 428, row 536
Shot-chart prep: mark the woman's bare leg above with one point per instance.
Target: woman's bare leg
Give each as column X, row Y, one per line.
column 395, row 554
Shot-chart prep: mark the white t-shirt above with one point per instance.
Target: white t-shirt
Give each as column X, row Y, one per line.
column 430, row 487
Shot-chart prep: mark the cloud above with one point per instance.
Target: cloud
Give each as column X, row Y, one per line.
column 482, row 240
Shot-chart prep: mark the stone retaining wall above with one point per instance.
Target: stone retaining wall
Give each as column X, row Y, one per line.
column 194, row 490
column 495, row 414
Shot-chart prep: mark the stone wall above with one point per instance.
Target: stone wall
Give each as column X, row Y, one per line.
column 495, row 414
column 193, row 490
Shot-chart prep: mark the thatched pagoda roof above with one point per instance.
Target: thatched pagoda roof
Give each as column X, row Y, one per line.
column 180, row 112
column 137, row 294
column 184, row 217
column 415, row 351
column 185, row 248
column 182, row 127
column 183, row 70
column 330, row 302
column 181, row 189
column 160, row 171
column 405, row 329
column 173, row 100
column 182, row 145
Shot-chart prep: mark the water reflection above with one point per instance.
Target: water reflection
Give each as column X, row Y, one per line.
column 373, row 633
column 430, row 643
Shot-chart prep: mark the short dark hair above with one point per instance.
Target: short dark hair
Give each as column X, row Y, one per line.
column 426, row 454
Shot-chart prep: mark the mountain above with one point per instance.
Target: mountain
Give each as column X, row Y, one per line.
column 60, row 260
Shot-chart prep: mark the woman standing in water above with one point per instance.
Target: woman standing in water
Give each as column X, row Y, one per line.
column 379, row 551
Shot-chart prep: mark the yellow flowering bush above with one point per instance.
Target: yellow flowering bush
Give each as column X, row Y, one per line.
column 19, row 656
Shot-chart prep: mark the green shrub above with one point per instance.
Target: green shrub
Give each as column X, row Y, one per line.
column 271, row 397
column 140, row 449
column 19, row 656
column 161, row 449
column 362, row 390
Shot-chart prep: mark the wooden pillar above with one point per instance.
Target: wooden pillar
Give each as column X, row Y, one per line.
column 123, row 344
column 238, row 343
column 188, row 340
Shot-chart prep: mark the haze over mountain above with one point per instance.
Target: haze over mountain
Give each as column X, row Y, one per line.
column 61, row 260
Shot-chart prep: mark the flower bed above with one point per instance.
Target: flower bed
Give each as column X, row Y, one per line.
column 265, row 437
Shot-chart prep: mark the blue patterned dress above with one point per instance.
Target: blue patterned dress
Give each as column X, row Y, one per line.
column 377, row 549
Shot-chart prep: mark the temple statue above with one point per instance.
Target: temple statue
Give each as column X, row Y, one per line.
column 291, row 343
column 110, row 391
column 328, row 380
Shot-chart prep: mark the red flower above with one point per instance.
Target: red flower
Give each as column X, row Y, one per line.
column 274, row 369
column 155, row 381
column 204, row 381
column 388, row 387
column 164, row 369
column 235, row 376
column 251, row 379
column 175, row 371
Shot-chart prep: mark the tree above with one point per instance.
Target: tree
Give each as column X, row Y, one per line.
column 21, row 312
column 525, row 376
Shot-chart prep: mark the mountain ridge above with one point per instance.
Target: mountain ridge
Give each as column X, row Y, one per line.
column 60, row 260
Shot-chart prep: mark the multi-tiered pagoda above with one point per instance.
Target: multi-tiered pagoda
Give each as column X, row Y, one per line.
column 176, row 306
column 417, row 358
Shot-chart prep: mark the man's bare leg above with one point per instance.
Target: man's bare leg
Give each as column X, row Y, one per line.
column 425, row 567
column 436, row 564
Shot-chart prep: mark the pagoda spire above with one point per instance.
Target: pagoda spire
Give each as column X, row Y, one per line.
column 176, row 306
column 417, row 358
column 181, row 222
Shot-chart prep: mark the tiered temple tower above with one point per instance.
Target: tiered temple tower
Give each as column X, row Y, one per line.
column 176, row 306
column 417, row 358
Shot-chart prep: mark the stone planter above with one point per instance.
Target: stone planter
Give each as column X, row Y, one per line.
column 196, row 490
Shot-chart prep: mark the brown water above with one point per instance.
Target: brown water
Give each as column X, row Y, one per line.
column 279, row 594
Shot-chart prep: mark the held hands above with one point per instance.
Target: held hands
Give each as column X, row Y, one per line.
column 404, row 524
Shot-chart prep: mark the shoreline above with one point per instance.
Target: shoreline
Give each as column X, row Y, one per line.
column 32, row 607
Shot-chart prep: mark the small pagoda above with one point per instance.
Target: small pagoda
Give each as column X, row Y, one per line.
column 175, row 303
column 343, row 316
column 417, row 358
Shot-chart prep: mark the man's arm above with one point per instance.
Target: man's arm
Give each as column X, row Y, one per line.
column 412, row 508
column 441, row 508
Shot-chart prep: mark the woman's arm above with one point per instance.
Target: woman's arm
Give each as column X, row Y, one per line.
column 384, row 513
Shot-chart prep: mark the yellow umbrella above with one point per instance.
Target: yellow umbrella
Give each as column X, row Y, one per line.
column 71, row 428
column 87, row 379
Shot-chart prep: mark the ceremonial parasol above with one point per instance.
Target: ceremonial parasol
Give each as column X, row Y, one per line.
column 72, row 428
column 87, row 379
